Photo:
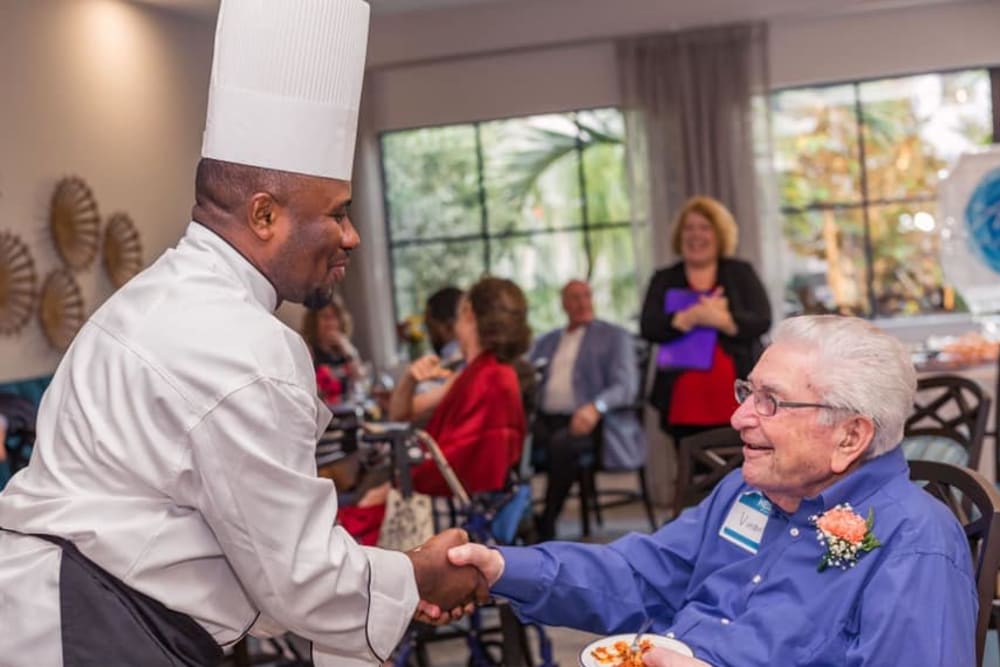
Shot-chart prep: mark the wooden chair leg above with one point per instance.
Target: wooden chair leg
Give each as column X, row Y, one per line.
column 586, row 493
column 592, row 474
column 515, row 640
column 647, row 503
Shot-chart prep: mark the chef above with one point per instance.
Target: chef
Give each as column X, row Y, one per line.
column 171, row 505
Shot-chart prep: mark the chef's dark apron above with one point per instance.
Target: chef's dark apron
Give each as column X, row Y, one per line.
column 105, row 623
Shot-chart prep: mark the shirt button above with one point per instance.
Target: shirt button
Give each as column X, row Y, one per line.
column 794, row 532
column 725, row 621
column 671, row 635
column 756, row 579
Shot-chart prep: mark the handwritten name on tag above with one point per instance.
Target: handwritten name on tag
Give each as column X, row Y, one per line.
column 746, row 521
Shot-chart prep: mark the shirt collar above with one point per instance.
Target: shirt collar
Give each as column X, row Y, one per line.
column 858, row 486
column 205, row 239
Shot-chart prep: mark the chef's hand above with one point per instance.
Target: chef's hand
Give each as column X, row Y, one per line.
column 661, row 657
column 443, row 586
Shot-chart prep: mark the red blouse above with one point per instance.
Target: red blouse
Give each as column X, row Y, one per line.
column 705, row 397
column 480, row 427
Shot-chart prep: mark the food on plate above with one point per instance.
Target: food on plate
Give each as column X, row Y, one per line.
column 620, row 653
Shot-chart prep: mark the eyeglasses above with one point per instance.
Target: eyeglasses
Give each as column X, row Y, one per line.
column 764, row 403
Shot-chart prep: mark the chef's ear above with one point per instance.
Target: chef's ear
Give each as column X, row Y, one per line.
column 261, row 215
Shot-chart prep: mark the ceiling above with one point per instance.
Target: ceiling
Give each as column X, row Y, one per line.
column 208, row 8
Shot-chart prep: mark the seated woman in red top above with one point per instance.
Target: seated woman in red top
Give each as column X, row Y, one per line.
column 477, row 415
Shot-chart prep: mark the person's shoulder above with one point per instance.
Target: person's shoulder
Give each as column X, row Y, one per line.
column 547, row 337
column 907, row 518
column 669, row 271
column 611, row 327
column 735, row 264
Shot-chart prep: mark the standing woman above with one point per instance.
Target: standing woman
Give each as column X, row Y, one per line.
column 730, row 299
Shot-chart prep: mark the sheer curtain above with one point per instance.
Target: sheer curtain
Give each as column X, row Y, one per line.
column 691, row 100
column 689, row 103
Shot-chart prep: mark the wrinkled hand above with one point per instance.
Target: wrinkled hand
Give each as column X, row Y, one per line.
column 661, row 657
column 584, row 420
column 428, row 367
column 488, row 561
column 440, row 582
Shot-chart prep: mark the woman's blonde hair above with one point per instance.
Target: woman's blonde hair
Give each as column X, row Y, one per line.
column 722, row 220
column 310, row 323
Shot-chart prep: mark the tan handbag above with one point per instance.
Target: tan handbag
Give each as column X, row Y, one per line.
column 408, row 523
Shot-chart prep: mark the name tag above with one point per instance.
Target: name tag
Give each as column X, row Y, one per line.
column 746, row 521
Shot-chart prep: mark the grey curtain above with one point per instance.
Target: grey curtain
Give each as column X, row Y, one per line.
column 689, row 99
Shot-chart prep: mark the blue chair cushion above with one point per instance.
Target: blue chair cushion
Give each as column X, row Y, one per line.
column 32, row 390
column 508, row 518
column 934, row 448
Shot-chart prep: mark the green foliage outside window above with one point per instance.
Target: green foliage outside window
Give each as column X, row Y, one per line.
column 858, row 167
column 539, row 200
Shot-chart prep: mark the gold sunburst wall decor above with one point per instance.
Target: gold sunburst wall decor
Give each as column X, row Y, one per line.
column 122, row 249
column 75, row 222
column 18, row 284
column 61, row 308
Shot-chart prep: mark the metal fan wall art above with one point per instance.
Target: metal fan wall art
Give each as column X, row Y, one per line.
column 18, row 284
column 122, row 249
column 74, row 222
column 61, row 308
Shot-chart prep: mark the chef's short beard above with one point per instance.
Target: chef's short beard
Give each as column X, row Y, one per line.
column 318, row 298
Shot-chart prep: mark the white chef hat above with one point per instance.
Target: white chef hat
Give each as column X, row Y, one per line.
column 286, row 84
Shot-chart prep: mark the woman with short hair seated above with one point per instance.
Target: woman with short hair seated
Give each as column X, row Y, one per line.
column 327, row 331
column 476, row 416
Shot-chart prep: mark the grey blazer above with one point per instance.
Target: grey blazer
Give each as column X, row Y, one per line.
column 605, row 369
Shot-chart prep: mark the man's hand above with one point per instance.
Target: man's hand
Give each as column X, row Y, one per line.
column 442, row 583
column 584, row 420
column 661, row 657
column 488, row 561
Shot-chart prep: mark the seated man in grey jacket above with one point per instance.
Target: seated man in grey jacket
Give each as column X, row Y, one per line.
column 589, row 382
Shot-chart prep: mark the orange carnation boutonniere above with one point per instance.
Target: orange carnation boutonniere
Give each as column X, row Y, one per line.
column 845, row 535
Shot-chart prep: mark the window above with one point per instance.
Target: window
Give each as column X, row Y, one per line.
column 858, row 167
column 539, row 200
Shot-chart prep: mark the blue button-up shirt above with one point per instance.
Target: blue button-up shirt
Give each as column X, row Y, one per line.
column 911, row 601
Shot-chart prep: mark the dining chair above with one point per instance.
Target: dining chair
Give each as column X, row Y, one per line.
column 948, row 422
column 976, row 504
column 594, row 500
column 702, row 460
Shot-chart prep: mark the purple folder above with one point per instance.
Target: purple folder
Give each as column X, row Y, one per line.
column 694, row 349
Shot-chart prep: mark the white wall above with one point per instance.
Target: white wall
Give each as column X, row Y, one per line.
column 479, row 65
column 109, row 91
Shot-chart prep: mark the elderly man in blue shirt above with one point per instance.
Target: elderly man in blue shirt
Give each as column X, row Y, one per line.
column 781, row 565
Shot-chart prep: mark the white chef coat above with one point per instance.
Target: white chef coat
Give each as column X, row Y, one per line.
column 176, row 448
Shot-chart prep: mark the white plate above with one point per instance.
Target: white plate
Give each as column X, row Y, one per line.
column 588, row 660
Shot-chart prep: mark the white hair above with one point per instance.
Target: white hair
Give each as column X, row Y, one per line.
column 859, row 368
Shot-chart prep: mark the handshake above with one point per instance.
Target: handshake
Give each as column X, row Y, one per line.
column 452, row 575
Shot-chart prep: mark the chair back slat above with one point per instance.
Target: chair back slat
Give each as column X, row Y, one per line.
column 975, row 502
column 952, row 407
